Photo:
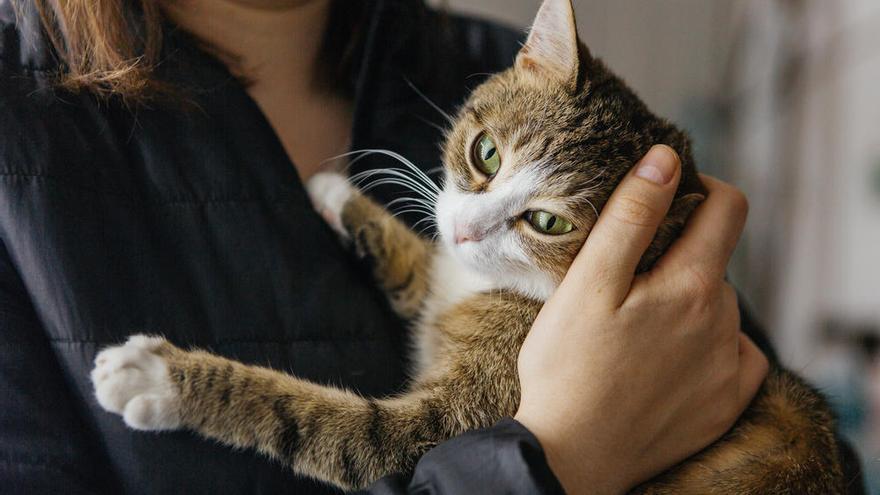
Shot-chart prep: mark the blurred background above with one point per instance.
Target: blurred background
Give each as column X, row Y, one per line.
column 782, row 98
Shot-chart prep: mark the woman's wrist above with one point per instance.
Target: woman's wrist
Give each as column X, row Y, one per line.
column 576, row 468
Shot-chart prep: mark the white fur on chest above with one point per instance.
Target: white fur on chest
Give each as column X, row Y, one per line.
column 451, row 283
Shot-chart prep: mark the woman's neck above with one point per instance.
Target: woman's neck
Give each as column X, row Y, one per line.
column 275, row 45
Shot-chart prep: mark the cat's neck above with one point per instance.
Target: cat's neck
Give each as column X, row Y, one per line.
column 452, row 281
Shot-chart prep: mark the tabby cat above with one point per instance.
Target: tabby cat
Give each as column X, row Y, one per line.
column 532, row 156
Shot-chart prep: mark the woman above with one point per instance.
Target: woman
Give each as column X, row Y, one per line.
column 153, row 155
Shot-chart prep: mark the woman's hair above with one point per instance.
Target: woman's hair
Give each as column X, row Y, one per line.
column 111, row 47
column 108, row 47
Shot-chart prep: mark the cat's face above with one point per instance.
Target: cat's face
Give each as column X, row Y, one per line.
column 516, row 200
column 535, row 153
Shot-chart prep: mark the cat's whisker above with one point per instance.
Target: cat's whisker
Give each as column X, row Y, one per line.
column 419, row 177
column 428, row 100
column 400, row 173
column 595, row 210
column 597, row 178
column 478, row 74
column 362, row 180
column 429, row 228
column 421, row 232
column 418, row 201
column 403, row 210
column 428, row 210
column 396, row 174
column 430, row 221
column 397, row 181
column 418, row 173
column 407, row 210
column 439, row 127
column 430, row 224
column 418, row 182
column 425, row 208
column 340, row 156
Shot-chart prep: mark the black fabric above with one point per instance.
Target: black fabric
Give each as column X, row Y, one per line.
column 504, row 459
column 191, row 222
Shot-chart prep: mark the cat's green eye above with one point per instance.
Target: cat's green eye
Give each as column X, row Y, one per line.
column 486, row 157
column 548, row 223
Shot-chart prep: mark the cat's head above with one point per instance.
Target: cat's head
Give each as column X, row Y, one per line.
column 536, row 151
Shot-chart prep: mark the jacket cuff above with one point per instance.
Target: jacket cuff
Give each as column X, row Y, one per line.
column 505, row 458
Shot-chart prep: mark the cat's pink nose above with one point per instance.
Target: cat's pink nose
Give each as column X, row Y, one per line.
column 464, row 234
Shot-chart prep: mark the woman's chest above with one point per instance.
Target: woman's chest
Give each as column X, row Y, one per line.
column 261, row 280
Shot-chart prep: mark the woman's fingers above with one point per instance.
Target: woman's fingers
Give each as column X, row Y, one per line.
column 753, row 369
column 607, row 262
column 710, row 235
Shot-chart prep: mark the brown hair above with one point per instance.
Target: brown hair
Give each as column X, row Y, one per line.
column 108, row 47
column 111, row 47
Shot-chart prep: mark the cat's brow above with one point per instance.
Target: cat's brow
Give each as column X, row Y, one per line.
column 477, row 116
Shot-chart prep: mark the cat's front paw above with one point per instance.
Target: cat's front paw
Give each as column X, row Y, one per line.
column 132, row 380
column 329, row 192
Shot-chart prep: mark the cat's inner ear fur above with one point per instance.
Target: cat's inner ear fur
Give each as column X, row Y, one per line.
column 551, row 50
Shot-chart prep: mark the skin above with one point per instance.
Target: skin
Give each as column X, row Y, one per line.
column 672, row 334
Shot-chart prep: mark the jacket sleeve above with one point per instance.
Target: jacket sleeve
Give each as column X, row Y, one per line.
column 44, row 444
column 505, row 458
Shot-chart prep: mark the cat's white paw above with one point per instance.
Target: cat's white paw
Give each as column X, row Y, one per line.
column 329, row 192
column 132, row 380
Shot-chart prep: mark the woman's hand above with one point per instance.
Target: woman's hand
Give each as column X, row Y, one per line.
column 623, row 377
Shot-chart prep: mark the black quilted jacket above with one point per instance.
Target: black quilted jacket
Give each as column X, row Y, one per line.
column 192, row 223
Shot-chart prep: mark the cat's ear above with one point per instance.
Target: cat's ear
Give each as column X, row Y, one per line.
column 551, row 50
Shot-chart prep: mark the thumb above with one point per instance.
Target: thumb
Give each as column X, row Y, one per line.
column 607, row 262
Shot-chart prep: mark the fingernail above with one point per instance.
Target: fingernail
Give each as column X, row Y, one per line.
column 658, row 166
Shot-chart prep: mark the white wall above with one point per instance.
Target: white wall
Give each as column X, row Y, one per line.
column 672, row 51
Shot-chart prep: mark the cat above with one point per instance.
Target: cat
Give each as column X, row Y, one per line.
column 530, row 160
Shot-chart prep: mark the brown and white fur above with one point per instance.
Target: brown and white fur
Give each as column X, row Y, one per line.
column 567, row 130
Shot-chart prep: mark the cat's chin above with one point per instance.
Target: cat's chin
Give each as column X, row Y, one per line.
column 531, row 284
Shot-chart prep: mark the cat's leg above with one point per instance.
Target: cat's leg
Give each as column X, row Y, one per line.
column 784, row 443
column 400, row 258
column 323, row 432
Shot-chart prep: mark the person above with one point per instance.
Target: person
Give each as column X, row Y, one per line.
column 152, row 158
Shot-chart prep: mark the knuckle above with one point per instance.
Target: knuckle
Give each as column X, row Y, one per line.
column 739, row 204
column 729, row 298
column 739, row 200
column 701, row 289
column 727, row 291
column 633, row 211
